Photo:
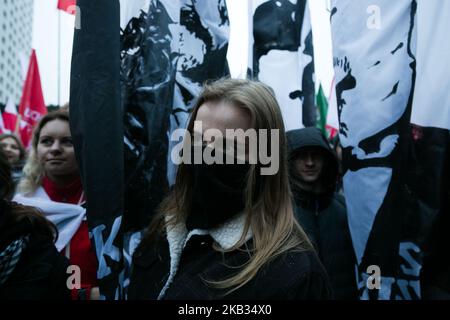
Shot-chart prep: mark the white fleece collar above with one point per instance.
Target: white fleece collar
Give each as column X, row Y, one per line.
column 230, row 232
column 227, row 236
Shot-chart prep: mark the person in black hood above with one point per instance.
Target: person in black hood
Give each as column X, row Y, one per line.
column 313, row 169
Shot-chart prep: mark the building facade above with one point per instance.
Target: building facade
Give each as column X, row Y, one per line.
column 16, row 31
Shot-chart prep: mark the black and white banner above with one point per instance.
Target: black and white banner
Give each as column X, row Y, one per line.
column 169, row 49
column 377, row 46
column 283, row 57
column 201, row 52
column 137, row 68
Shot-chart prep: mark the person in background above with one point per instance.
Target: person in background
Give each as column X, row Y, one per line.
column 226, row 231
column 313, row 169
column 15, row 153
column 51, row 182
column 30, row 266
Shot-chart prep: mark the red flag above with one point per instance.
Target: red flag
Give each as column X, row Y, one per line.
column 9, row 117
column 32, row 107
column 67, row 6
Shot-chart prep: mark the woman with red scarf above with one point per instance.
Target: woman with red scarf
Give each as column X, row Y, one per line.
column 51, row 182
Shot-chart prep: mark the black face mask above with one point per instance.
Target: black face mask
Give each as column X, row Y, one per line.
column 218, row 194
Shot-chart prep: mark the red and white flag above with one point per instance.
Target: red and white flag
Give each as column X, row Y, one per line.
column 32, row 107
column 67, row 6
column 9, row 117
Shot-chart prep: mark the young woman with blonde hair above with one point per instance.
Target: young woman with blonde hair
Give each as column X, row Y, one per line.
column 226, row 231
column 51, row 183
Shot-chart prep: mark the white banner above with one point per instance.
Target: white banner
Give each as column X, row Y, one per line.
column 374, row 77
column 431, row 106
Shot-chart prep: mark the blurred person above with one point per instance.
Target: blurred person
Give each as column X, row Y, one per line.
column 15, row 153
column 52, row 183
column 320, row 210
column 30, row 265
column 226, row 231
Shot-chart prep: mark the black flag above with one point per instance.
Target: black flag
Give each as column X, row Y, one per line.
column 97, row 131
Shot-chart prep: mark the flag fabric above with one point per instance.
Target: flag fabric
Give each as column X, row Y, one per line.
column 32, row 107
column 373, row 116
column 431, row 105
column 151, row 60
column 67, row 6
column 393, row 169
column 147, row 82
column 332, row 115
column 9, row 117
column 96, row 122
column 201, row 47
column 283, row 57
column 185, row 46
column 322, row 108
column 430, row 118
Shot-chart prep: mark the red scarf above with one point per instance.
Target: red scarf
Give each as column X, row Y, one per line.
column 70, row 193
column 81, row 250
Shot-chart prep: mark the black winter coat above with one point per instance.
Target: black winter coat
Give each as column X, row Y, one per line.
column 328, row 230
column 41, row 270
column 294, row 275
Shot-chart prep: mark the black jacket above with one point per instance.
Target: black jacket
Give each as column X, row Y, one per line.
column 40, row 272
column 294, row 275
column 324, row 217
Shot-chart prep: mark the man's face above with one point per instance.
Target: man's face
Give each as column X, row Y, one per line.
column 309, row 164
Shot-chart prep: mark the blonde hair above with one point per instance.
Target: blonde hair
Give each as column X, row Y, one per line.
column 33, row 170
column 270, row 215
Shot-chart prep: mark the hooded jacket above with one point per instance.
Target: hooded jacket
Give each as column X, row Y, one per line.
column 323, row 215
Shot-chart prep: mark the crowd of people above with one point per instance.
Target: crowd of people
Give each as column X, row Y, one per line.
column 223, row 232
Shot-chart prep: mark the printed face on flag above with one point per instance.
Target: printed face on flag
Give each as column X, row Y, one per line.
column 367, row 105
column 374, row 76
